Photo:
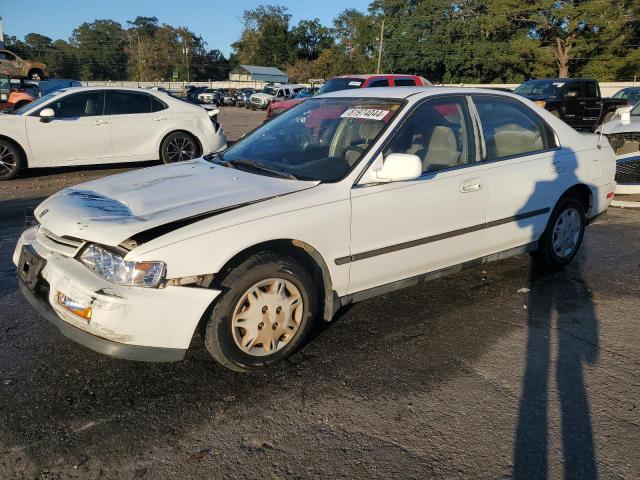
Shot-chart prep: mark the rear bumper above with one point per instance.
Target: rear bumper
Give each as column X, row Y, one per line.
column 98, row 344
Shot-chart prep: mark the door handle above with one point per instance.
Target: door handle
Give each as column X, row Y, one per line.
column 99, row 122
column 471, row 185
column 159, row 118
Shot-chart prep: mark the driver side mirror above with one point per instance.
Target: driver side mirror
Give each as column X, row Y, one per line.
column 47, row 114
column 399, row 167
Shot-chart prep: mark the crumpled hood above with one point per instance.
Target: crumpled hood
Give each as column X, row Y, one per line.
column 113, row 209
column 615, row 125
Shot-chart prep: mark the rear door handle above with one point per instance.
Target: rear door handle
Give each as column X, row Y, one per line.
column 158, row 118
column 99, row 122
column 471, row 185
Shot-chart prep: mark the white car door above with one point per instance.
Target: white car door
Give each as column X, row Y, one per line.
column 403, row 229
column 77, row 134
column 527, row 171
column 137, row 122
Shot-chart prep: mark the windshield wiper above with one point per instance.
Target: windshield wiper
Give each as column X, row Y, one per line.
column 259, row 166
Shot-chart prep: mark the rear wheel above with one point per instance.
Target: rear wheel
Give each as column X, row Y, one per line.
column 178, row 147
column 264, row 315
column 563, row 236
column 35, row 74
column 11, row 160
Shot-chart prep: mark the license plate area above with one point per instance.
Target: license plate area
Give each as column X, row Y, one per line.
column 30, row 266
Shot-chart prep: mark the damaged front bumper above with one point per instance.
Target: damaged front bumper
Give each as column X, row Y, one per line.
column 148, row 324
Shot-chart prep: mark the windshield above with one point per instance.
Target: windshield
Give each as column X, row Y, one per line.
column 39, row 101
column 336, row 84
column 633, row 93
column 540, row 87
column 269, row 90
column 320, row 139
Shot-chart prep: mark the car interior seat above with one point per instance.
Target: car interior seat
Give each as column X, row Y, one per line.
column 368, row 132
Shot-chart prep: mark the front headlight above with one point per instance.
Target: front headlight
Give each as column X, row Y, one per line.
column 115, row 269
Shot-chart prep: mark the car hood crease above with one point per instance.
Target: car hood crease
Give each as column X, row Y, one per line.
column 115, row 208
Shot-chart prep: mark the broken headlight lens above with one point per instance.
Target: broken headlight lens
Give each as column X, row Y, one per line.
column 115, row 269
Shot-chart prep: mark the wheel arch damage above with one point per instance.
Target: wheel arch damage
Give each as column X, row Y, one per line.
column 301, row 251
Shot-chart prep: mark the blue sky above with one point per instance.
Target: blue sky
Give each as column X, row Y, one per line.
column 218, row 21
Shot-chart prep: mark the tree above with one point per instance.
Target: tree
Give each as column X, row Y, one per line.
column 265, row 38
column 310, row 38
column 101, row 50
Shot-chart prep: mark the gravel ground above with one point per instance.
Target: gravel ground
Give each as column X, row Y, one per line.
column 503, row 371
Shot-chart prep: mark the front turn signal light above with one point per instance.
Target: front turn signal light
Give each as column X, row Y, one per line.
column 541, row 103
column 74, row 307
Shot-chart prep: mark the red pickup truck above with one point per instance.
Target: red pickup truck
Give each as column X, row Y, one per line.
column 345, row 82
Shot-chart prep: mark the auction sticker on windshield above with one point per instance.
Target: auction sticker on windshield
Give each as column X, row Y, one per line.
column 366, row 113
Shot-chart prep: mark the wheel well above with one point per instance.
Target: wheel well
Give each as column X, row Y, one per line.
column 582, row 193
column 304, row 253
column 20, row 149
column 181, row 131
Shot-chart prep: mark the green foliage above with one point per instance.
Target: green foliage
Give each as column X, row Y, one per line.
column 463, row 41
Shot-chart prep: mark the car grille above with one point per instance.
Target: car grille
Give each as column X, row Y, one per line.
column 628, row 170
column 257, row 101
column 66, row 246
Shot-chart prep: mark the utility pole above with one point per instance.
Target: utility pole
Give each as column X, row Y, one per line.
column 380, row 46
column 185, row 49
column 139, row 58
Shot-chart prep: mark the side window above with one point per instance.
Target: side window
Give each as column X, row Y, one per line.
column 404, row 82
column 439, row 132
column 86, row 104
column 7, row 56
column 127, row 103
column 511, row 128
column 383, row 82
column 280, row 93
column 157, row 104
column 590, row 90
column 574, row 89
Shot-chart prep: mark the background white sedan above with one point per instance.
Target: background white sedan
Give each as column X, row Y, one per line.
column 84, row 125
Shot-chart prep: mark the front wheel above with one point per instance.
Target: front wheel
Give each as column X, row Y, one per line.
column 178, row 147
column 11, row 160
column 264, row 315
column 563, row 236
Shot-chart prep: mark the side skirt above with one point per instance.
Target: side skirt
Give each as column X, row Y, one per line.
column 409, row 282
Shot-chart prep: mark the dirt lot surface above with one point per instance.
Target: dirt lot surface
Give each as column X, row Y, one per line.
column 503, row 371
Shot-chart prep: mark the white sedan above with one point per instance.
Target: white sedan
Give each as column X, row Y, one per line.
column 346, row 196
column 95, row 125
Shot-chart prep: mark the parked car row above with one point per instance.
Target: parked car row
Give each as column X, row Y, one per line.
column 349, row 195
column 96, row 125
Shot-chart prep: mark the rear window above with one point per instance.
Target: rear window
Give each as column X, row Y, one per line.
column 127, row 103
column 336, row 84
column 404, row 82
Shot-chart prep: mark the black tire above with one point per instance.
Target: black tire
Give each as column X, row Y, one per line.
column 179, row 147
column 546, row 255
column 218, row 332
column 11, row 160
column 36, row 74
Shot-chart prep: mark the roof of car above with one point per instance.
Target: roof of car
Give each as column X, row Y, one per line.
column 131, row 89
column 405, row 92
column 364, row 76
